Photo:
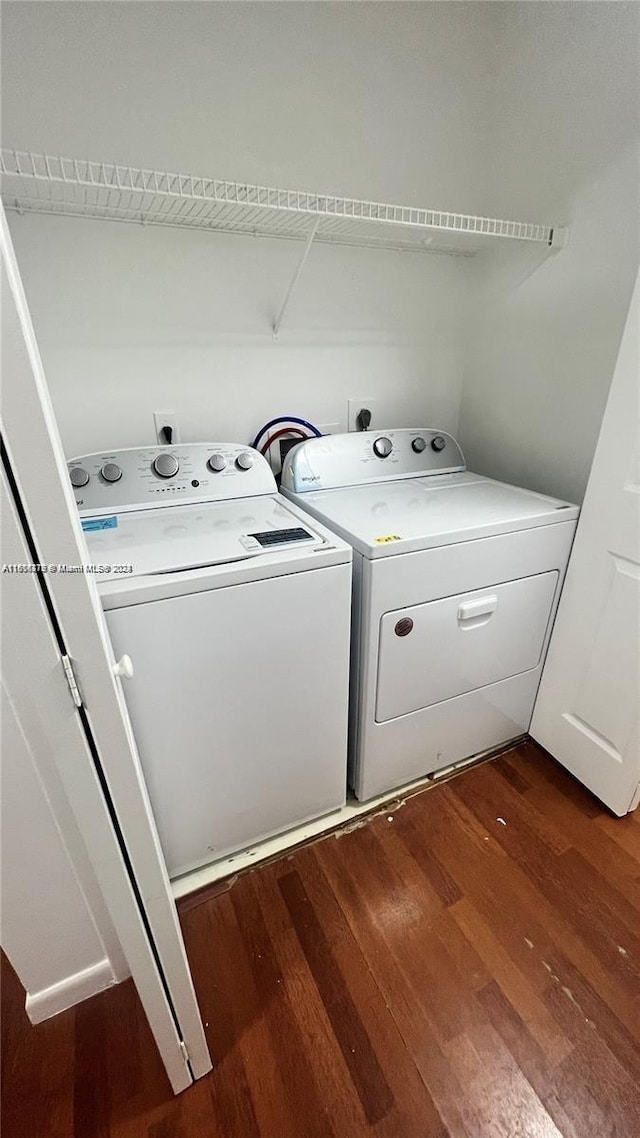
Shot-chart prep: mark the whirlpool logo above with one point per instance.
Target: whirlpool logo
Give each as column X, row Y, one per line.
column 310, row 478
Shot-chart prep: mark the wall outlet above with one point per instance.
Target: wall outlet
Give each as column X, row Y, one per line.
column 163, row 419
column 354, row 406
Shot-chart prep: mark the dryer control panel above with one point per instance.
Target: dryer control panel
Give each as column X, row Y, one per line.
column 141, row 478
column 370, row 456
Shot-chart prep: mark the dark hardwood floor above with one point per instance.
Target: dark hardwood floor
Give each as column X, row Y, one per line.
column 466, row 966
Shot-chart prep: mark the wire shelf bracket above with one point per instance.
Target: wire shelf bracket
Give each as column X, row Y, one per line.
column 295, row 278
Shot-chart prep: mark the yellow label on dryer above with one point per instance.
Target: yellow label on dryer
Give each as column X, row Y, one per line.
column 388, row 537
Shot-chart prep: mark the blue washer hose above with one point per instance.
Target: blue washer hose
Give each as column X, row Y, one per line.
column 285, row 419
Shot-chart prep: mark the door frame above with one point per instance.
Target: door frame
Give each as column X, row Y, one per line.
column 108, row 796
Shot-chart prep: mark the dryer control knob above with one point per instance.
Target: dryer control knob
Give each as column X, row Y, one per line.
column 244, row 460
column 111, row 472
column 217, row 462
column 383, row 447
column 438, row 443
column 166, row 465
column 79, row 476
column 418, row 444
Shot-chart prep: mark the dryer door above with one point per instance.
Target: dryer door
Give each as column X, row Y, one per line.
column 441, row 649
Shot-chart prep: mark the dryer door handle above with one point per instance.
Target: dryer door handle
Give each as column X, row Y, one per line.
column 484, row 606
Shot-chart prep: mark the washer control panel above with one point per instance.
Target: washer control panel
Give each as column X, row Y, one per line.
column 145, row 477
column 370, row 456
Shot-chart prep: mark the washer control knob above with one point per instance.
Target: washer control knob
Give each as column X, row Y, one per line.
column 438, row 443
column 111, row 472
column 418, row 444
column 383, row 447
column 166, row 465
column 79, row 476
column 217, row 462
column 244, row 460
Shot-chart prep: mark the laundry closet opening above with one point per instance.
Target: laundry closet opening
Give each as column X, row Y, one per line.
column 332, row 302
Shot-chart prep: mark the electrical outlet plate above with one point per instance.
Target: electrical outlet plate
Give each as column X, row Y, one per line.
column 166, row 419
column 355, row 405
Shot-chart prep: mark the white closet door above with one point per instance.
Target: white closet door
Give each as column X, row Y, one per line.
column 103, row 780
column 587, row 710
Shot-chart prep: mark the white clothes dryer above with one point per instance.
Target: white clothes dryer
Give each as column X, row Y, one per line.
column 234, row 608
column 456, row 581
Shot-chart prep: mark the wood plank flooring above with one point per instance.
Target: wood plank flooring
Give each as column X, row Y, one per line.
column 467, row 967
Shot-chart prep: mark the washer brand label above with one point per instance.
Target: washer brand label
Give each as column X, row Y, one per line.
column 99, row 523
column 386, row 538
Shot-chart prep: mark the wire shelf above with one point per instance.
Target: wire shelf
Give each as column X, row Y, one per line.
column 44, row 183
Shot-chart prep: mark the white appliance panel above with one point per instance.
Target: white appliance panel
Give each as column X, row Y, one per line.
column 443, row 648
column 152, row 478
column 239, row 706
column 425, row 741
column 431, row 574
column 477, row 567
column 369, row 456
column 184, row 537
column 393, row 753
column 392, row 518
column 117, row 591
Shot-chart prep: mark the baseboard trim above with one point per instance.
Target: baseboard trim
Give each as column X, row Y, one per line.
column 72, row 990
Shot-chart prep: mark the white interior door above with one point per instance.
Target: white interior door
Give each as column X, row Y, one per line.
column 97, row 758
column 587, row 709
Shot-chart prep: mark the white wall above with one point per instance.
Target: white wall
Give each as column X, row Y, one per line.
column 48, row 931
column 130, row 319
column 55, row 927
column 542, row 345
column 383, row 101
column 362, row 99
column 521, row 110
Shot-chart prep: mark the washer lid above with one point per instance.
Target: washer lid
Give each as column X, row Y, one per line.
column 187, row 537
column 422, row 513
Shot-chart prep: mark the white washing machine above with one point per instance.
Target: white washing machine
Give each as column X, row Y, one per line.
column 456, row 580
column 234, row 607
